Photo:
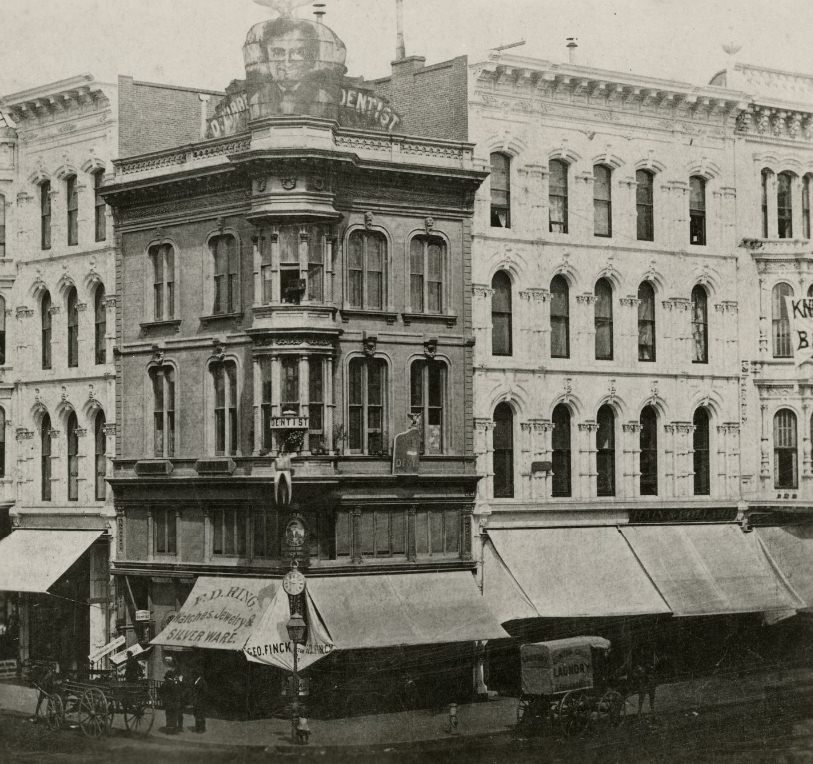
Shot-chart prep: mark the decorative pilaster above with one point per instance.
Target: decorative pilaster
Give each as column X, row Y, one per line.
column 257, row 265
column 670, row 461
column 764, row 453
column 355, row 535
column 586, row 328
column 412, row 544
column 807, row 473
column 588, row 471
column 465, row 532
column 483, row 450
column 632, row 458
column 257, row 387
column 629, row 330
column 481, row 321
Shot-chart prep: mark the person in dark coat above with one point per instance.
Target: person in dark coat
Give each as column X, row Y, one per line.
column 171, row 698
column 199, row 692
column 132, row 668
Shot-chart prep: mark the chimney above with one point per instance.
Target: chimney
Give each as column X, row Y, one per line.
column 204, row 113
column 400, row 46
column 571, row 49
column 319, row 11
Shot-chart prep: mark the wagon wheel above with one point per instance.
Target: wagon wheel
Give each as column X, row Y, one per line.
column 55, row 712
column 574, row 713
column 138, row 717
column 522, row 707
column 613, row 708
column 94, row 713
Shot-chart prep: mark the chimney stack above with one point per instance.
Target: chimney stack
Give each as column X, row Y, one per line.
column 571, row 49
column 319, row 11
column 400, row 47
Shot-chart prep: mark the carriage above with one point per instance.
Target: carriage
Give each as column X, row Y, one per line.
column 566, row 687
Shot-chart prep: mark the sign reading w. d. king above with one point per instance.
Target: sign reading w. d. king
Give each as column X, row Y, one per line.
column 797, row 335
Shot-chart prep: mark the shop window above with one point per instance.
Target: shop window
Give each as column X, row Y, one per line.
column 437, row 533
column 99, row 207
column 45, row 215
column 224, row 385
column 603, row 320
column 700, row 325
column 266, row 371
column 646, row 322
column 784, row 204
column 316, row 405
column 99, row 326
column 290, row 278
column 45, row 458
column 605, row 452
column 501, row 316
column 503, row 446
column 228, row 532
column 164, row 531
column 316, row 264
column 428, row 399
column 806, row 183
column 72, row 199
column 500, row 191
column 765, row 182
column 162, row 258
column 559, row 318
column 697, row 210
column 644, row 205
column 226, row 263
column 383, row 533
column 700, row 447
column 427, row 262
column 163, row 389
column 602, row 201
column 366, row 270
column 785, row 453
column 2, row 331
column 648, row 442
column 72, row 438
column 557, row 196
column 100, row 456
column 266, row 535
column 780, row 320
column 2, row 443
column 560, row 442
column 45, row 325
column 2, row 226
column 289, row 399
column 73, row 328
column 367, row 385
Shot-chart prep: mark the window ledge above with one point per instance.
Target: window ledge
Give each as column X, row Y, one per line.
column 222, row 317
column 348, row 313
column 447, row 318
column 173, row 323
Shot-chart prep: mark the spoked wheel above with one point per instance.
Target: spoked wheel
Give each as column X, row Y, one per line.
column 94, row 713
column 522, row 707
column 55, row 712
column 574, row 713
column 138, row 718
column 613, row 708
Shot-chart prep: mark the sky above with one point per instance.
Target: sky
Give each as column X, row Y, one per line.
column 199, row 42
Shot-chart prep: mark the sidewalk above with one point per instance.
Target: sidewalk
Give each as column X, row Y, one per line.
column 426, row 729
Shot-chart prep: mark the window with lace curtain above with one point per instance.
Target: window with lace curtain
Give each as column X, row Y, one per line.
column 557, row 195
column 785, row 450
column 646, row 322
column 780, row 321
column 700, row 325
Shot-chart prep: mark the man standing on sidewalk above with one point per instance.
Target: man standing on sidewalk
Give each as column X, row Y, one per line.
column 199, row 692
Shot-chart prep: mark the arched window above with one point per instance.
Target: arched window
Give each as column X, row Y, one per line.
column 560, row 442
column 559, row 318
column 784, row 204
column 700, row 325
column 100, row 454
column 162, row 258
column 782, row 346
column 649, row 451
column 2, row 226
column 427, row 264
column 557, row 195
column 428, row 398
column 500, row 191
column 807, row 181
column 224, row 414
column 646, row 322
column 644, row 202
column 45, row 215
column 72, row 199
column 366, row 270
column 785, row 454
column 226, row 262
column 603, row 320
column 697, row 210
column 765, row 178
column 700, row 446
column 72, row 438
column 2, row 443
column 99, row 325
column 501, row 332
column 45, row 323
column 605, row 452
column 503, row 452
column 45, row 458
column 99, row 207
column 367, row 405
column 73, row 328
column 163, row 389
column 602, row 201
column 2, row 331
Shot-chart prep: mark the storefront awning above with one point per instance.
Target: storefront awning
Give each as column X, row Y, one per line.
column 790, row 551
column 219, row 613
column 708, row 569
column 403, row 609
column 33, row 560
column 565, row 573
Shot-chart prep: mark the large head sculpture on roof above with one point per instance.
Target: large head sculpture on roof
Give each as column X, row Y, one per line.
column 293, row 66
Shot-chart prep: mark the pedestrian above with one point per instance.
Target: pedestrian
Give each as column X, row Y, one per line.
column 43, row 677
column 132, row 669
column 181, row 692
column 199, row 699
column 171, row 699
column 645, row 683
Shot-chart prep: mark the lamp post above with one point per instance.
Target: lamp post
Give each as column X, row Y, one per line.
column 296, row 633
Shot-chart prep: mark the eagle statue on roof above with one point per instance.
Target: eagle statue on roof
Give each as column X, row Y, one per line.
column 285, row 8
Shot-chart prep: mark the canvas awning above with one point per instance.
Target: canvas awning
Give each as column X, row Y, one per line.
column 219, row 613
column 565, row 573
column 790, row 551
column 403, row 609
column 33, row 560
column 708, row 569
